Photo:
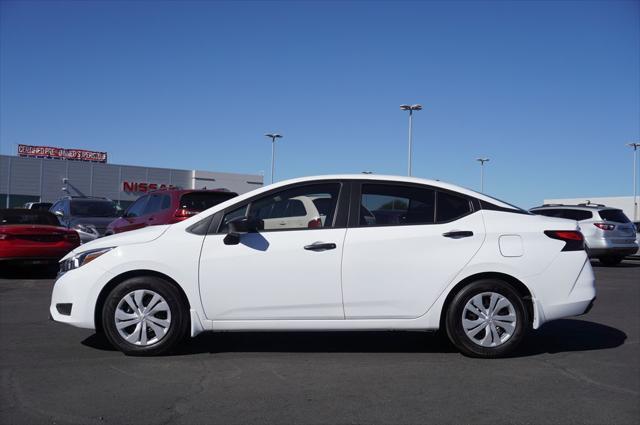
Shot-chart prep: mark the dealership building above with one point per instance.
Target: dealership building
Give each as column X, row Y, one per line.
column 31, row 178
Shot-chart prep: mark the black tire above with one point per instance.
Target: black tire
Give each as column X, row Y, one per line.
column 456, row 332
column 179, row 318
column 610, row 261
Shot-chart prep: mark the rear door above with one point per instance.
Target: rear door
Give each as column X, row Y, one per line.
column 405, row 244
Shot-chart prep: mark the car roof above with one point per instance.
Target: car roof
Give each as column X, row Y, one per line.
column 392, row 179
column 183, row 191
column 583, row 207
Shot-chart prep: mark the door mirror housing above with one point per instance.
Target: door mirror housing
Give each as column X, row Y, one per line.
column 241, row 225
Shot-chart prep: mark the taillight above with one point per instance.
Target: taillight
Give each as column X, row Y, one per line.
column 184, row 213
column 605, row 226
column 574, row 241
column 316, row 223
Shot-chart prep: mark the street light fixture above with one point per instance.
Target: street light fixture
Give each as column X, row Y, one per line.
column 273, row 137
column 410, row 108
column 482, row 161
column 635, row 147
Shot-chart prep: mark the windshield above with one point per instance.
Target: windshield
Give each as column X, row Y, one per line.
column 614, row 215
column 27, row 217
column 200, row 201
column 93, row 208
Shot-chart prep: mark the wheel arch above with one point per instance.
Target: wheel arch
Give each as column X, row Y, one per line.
column 128, row 275
column 520, row 287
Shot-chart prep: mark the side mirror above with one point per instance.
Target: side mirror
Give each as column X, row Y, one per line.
column 241, row 225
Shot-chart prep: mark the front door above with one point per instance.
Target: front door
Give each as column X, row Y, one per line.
column 286, row 271
column 134, row 216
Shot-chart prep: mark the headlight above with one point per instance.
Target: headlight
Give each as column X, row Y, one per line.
column 81, row 259
column 87, row 228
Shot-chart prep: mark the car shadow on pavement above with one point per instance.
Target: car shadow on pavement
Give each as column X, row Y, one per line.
column 40, row 271
column 564, row 335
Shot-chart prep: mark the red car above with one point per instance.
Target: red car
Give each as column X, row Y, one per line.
column 33, row 236
column 167, row 207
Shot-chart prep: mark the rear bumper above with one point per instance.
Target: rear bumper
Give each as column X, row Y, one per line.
column 562, row 294
column 612, row 252
column 601, row 247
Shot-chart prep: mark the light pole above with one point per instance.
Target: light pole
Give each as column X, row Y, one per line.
column 635, row 147
column 410, row 108
column 273, row 137
column 482, row 161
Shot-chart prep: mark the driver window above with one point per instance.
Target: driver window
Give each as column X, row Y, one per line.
column 302, row 207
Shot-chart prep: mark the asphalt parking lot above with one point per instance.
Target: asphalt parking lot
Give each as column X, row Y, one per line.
column 579, row 370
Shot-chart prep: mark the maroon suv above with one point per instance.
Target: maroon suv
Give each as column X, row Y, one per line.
column 167, row 207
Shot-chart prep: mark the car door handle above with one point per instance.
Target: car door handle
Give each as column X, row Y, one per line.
column 320, row 246
column 457, row 234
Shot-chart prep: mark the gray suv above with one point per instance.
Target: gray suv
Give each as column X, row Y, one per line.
column 88, row 215
column 608, row 234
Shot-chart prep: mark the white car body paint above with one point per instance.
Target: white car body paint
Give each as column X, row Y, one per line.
column 377, row 278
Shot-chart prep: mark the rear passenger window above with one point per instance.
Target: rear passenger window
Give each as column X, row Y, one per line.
column 166, row 201
column 451, row 207
column 576, row 215
column 391, row 205
column 153, row 204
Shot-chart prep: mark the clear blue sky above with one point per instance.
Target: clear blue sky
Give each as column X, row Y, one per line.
column 549, row 90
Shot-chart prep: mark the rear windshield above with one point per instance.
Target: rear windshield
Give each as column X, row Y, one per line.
column 614, row 215
column 200, row 201
column 28, row 217
column 93, row 208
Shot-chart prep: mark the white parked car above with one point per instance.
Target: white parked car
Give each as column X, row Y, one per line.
column 391, row 253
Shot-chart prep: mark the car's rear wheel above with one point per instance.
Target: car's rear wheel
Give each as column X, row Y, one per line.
column 486, row 318
column 144, row 315
column 610, row 261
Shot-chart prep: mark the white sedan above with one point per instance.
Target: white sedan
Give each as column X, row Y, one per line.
column 383, row 253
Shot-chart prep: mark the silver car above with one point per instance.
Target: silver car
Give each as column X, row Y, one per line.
column 608, row 233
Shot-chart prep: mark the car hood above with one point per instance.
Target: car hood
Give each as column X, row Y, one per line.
column 144, row 235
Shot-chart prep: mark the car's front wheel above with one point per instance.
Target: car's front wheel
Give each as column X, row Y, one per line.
column 144, row 315
column 486, row 318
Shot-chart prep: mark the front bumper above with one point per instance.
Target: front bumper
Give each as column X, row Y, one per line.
column 79, row 290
